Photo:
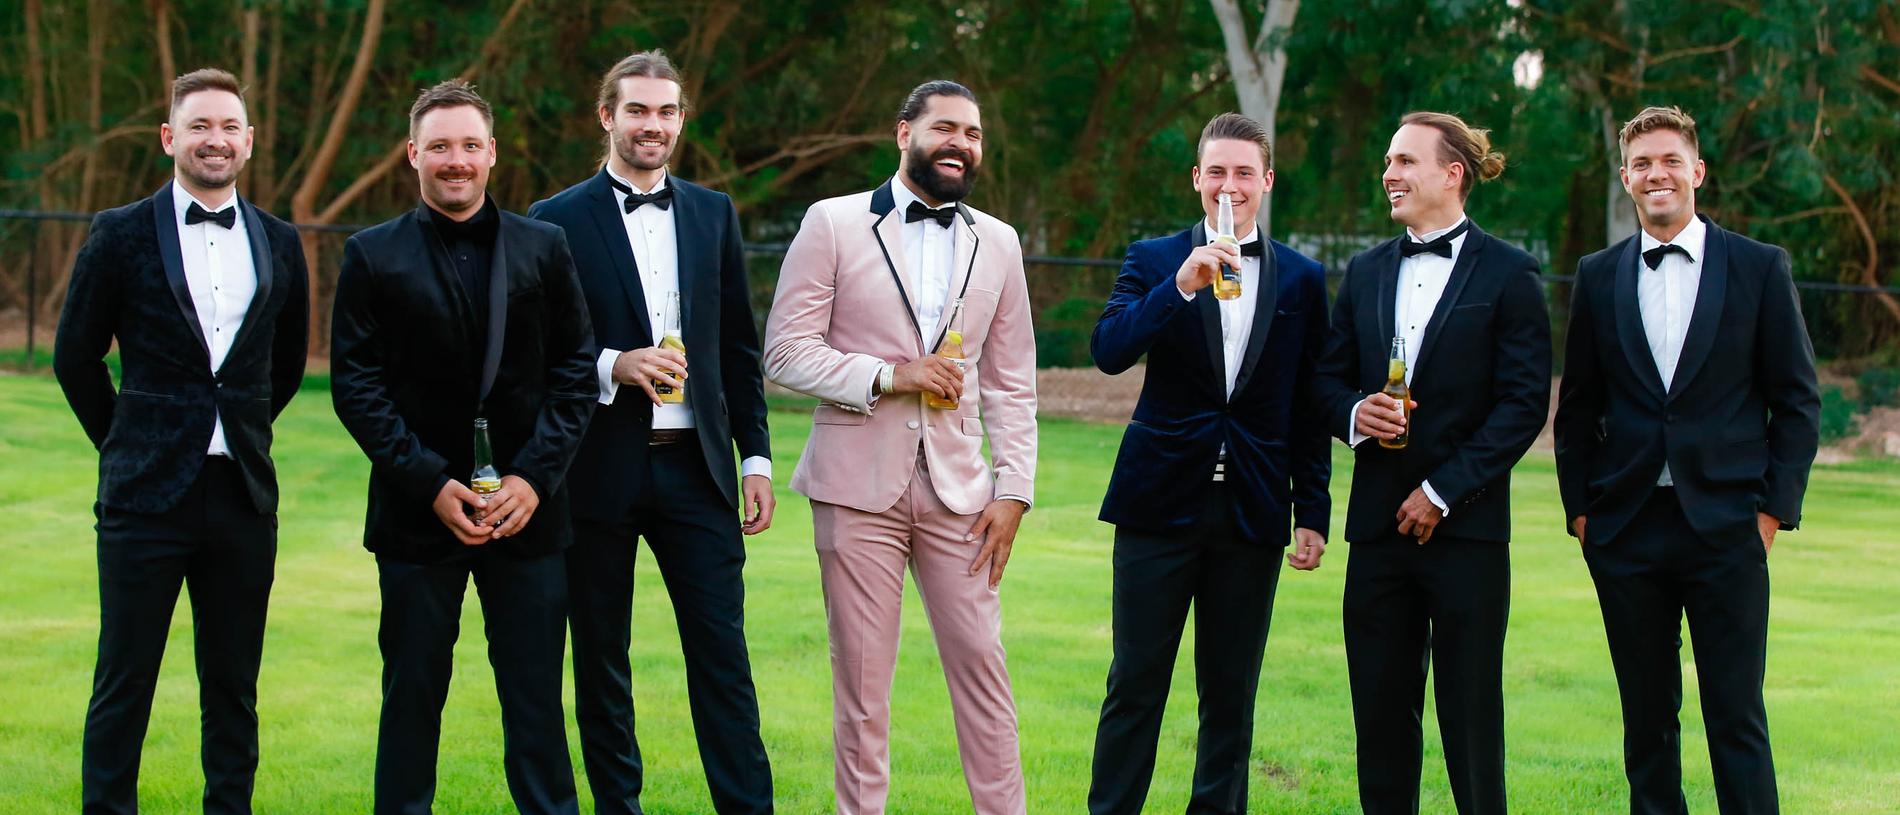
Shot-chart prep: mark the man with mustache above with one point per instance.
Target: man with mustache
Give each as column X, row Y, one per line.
column 1687, row 420
column 873, row 288
column 642, row 236
column 208, row 298
column 453, row 320
column 1428, row 581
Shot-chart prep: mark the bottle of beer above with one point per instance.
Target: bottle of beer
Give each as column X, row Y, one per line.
column 951, row 349
column 485, row 481
column 672, row 340
column 1227, row 283
column 1396, row 388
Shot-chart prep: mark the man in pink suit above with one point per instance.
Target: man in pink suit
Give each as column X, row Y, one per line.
column 871, row 288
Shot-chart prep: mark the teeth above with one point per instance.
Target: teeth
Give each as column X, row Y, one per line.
column 1658, row 193
column 950, row 162
column 1395, row 195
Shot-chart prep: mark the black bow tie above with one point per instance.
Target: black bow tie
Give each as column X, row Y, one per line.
column 662, row 199
column 1440, row 246
column 918, row 212
column 226, row 217
column 1654, row 257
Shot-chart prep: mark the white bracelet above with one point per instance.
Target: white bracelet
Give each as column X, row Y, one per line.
column 884, row 377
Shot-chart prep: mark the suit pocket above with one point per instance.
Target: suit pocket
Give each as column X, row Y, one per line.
column 145, row 394
column 1471, row 306
column 972, row 426
column 832, row 414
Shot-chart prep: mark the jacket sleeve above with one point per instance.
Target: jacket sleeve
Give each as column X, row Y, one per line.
column 796, row 354
column 1580, row 401
column 1134, row 317
column 739, row 346
column 359, row 386
column 290, row 342
column 87, row 324
column 1312, row 447
column 1785, row 373
column 1006, row 374
column 572, row 393
column 1520, row 393
column 1333, row 393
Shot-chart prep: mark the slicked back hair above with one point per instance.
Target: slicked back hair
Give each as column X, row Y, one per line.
column 1239, row 128
column 1462, row 144
column 921, row 95
column 651, row 63
column 452, row 93
column 1654, row 118
column 204, row 79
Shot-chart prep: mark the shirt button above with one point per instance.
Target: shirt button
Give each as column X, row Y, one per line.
column 912, row 424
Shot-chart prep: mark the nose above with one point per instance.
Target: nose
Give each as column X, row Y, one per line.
column 1391, row 172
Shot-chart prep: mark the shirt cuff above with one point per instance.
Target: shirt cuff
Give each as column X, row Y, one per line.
column 756, row 465
column 1353, row 436
column 604, row 372
column 1432, row 495
column 1186, row 295
column 1026, row 502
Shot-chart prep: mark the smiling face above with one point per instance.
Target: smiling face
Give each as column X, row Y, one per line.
column 452, row 152
column 942, row 149
column 1237, row 168
column 209, row 138
column 644, row 125
column 1662, row 172
column 1421, row 187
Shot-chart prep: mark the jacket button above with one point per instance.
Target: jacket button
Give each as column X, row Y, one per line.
column 912, row 424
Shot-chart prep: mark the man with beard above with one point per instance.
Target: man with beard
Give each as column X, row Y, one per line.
column 871, row 289
column 458, row 325
column 1428, row 581
column 662, row 470
column 1221, row 464
column 1687, row 420
column 207, row 296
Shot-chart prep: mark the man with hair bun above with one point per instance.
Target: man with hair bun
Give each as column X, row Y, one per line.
column 1687, row 421
column 1428, row 578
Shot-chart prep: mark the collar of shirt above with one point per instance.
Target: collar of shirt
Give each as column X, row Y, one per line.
column 621, row 197
column 182, row 200
column 480, row 228
column 1457, row 244
column 1692, row 239
column 901, row 195
column 1253, row 233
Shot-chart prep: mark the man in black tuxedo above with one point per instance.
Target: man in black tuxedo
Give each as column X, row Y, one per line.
column 453, row 312
column 664, row 470
column 1687, row 420
column 1428, row 580
column 207, row 296
column 1222, row 461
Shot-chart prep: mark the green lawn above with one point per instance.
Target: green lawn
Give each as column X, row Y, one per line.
column 1834, row 657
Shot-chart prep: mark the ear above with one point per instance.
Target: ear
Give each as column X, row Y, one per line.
column 1267, row 177
column 491, row 151
column 903, row 134
column 606, row 118
column 1623, row 173
column 250, row 141
column 1701, row 173
column 1195, row 176
column 165, row 137
column 414, row 160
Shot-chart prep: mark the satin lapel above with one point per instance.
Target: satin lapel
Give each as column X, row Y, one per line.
column 266, row 272
column 889, row 233
column 1207, row 307
column 497, row 306
column 613, row 236
column 1629, row 321
column 686, row 218
column 454, row 297
column 1266, row 303
column 1474, row 246
column 964, row 267
column 165, row 220
column 1387, row 262
column 1710, row 294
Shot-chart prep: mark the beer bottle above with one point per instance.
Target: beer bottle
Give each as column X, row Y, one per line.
column 1227, row 283
column 672, row 340
column 1396, row 388
column 951, row 349
column 485, row 481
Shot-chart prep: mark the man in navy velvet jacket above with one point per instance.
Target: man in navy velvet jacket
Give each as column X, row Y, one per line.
column 1220, row 462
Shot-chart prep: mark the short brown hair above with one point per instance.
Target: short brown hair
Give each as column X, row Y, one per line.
column 1239, row 128
column 451, row 93
column 1460, row 143
column 204, row 79
column 1655, row 118
column 651, row 63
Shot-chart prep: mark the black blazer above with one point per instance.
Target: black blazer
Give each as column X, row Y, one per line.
column 1740, row 423
column 406, row 382
column 725, row 389
column 1278, row 461
column 129, row 283
column 1481, row 380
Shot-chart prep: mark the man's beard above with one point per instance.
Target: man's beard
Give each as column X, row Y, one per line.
column 205, row 178
column 922, row 170
column 630, row 153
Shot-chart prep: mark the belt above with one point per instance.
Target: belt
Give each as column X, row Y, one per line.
column 660, row 437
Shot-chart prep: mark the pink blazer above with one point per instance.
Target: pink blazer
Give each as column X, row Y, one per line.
column 839, row 314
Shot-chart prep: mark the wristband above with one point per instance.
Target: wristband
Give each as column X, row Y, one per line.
column 884, row 376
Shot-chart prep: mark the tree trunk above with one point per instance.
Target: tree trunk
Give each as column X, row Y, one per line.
column 1259, row 69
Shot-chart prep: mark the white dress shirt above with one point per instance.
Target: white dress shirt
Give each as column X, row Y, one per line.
column 1236, row 315
column 930, row 251
column 222, row 279
column 1666, row 296
column 1422, row 279
column 654, row 238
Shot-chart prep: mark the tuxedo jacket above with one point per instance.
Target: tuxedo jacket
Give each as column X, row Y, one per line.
column 725, row 390
column 406, row 365
column 1278, row 456
column 129, row 284
column 843, row 308
column 1481, row 380
column 1740, row 422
